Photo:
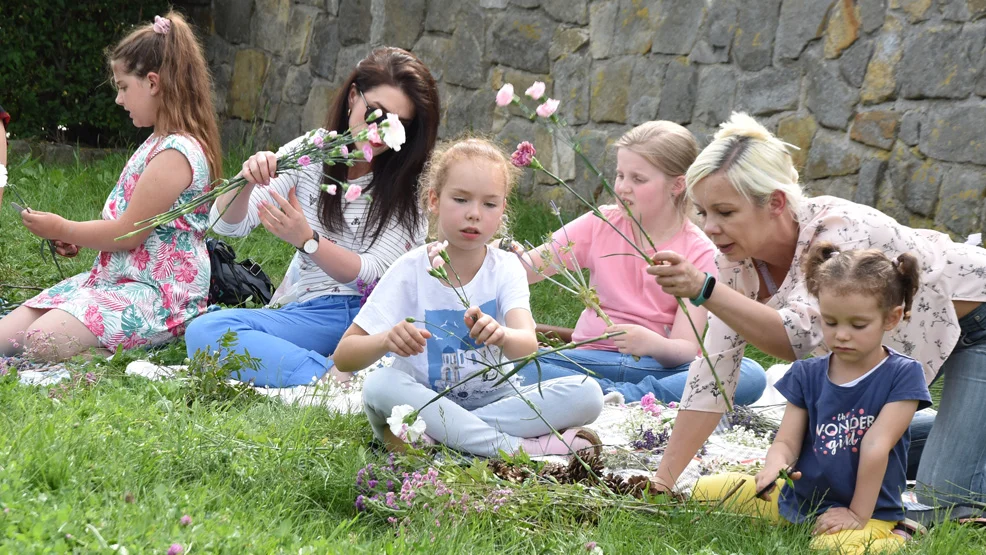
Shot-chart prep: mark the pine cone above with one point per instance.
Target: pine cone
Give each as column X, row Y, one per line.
column 510, row 473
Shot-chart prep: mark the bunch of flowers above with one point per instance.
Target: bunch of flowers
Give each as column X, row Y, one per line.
column 651, row 441
column 329, row 148
column 408, row 433
column 525, row 157
column 365, row 288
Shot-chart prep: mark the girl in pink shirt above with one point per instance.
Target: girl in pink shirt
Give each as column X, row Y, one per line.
column 658, row 344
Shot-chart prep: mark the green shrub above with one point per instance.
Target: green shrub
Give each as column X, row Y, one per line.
column 53, row 70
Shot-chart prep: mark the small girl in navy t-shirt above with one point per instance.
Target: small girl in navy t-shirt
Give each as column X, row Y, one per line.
column 845, row 425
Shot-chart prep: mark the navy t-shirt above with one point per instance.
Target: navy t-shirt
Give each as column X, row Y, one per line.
column 838, row 418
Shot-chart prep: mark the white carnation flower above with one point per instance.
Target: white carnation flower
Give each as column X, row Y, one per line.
column 393, row 132
column 404, row 431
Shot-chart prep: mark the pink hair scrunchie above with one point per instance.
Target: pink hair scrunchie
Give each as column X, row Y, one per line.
column 161, row 25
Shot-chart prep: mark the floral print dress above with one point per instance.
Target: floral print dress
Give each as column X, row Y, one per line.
column 146, row 295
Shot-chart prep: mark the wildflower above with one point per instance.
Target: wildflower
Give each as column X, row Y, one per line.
column 185, row 520
column 367, row 153
column 393, row 132
column 318, row 141
column 672, row 405
column 176, row 549
column 390, row 500
column 589, row 546
column 392, row 519
column 536, row 91
column 524, row 155
column 373, row 135
column 305, row 160
column 505, row 95
column 360, row 503
column 353, row 192
column 330, row 189
column 549, row 107
column 372, row 484
column 90, row 378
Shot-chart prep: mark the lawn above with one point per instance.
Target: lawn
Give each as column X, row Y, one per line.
column 118, row 460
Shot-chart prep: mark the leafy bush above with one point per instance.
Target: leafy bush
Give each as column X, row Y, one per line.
column 53, row 68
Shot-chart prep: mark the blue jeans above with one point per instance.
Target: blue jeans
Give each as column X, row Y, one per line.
column 952, row 467
column 636, row 378
column 293, row 342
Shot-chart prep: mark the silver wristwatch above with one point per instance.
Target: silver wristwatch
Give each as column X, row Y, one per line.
column 311, row 245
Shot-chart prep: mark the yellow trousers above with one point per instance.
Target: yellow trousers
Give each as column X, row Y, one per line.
column 876, row 537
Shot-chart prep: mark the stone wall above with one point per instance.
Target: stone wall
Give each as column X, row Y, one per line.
column 884, row 97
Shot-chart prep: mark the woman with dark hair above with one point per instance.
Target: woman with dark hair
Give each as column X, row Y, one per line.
column 342, row 244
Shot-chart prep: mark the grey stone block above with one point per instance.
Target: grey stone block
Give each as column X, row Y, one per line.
column 568, row 41
column 610, row 94
column 721, row 22
column 936, row 63
column 466, row 110
column 829, row 98
column 852, row 64
column 910, row 127
column 521, row 40
column 678, row 92
column 872, row 13
column 961, row 198
column 569, row 11
column 397, row 22
column 232, row 19
column 716, row 88
column 753, row 43
column 465, row 65
column 602, row 27
column 528, row 4
column 325, row 47
column 868, row 185
column 768, row 91
column 831, row 155
column 800, row 23
column 677, row 27
column 916, row 180
column 704, row 53
column 646, row 83
column 441, row 15
column 955, row 133
column 297, row 83
column 435, row 51
column 358, row 21
column 571, row 75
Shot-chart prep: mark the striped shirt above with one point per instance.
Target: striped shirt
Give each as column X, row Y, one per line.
column 304, row 279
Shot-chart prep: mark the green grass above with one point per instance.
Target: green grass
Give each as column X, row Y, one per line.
column 120, row 461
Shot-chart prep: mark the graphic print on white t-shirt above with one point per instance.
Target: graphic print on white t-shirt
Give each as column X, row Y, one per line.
column 453, row 356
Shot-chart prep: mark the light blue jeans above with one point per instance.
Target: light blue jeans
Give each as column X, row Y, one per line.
column 500, row 425
column 636, row 378
column 293, row 342
column 953, row 464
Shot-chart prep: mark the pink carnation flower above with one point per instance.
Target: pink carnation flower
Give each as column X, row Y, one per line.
column 330, row 189
column 536, row 91
column 524, row 154
column 505, row 95
column 545, row 110
column 305, row 160
column 373, row 135
column 344, row 151
column 353, row 192
column 318, row 141
column 367, row 152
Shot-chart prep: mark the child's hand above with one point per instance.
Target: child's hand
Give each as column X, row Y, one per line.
column 44, row 224
column 68, row 250
column 766, row 481
column 483, row 328
column 837, row 519
column 260, row 168
column 406, row 340
column 636, row 340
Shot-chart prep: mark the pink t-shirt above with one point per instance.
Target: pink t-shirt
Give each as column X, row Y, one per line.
column 627, row 293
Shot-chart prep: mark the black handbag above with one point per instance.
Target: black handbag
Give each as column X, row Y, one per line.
column 233, row 282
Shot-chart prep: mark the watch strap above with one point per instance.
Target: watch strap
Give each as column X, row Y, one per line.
column 706, row 292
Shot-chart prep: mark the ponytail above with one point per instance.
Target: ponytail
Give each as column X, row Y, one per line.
column 818, row 254
column 169, row 48
column 908, row 278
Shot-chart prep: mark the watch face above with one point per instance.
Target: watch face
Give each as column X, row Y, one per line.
column 310, row 246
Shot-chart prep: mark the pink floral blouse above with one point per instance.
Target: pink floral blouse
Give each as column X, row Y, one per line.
column 949, row 272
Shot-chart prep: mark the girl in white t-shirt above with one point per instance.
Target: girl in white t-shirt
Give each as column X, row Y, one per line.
column 465, row 187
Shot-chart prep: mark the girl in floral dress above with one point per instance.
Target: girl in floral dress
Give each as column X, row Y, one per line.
column 141, row 290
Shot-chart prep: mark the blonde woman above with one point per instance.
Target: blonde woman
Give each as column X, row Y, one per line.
column 746, row 190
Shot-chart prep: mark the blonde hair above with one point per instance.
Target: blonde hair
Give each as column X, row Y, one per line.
column 754, row 161
column 665, row 145
column 186, row 86
column 468, row 148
